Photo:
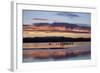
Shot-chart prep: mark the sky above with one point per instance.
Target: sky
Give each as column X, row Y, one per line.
column 33, row 16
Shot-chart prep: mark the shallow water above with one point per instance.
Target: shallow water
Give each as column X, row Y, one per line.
column 81, row 57
column 82, row 46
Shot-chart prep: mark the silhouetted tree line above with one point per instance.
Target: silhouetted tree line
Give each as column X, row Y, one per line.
column 54, row 39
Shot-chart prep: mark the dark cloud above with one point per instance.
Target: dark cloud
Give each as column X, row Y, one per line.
column 40, row 19
column 68, row 14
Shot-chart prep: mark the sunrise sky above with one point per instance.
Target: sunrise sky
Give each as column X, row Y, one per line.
column 33, row 16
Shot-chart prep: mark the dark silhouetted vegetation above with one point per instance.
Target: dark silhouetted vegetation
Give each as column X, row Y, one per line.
column 54, row 39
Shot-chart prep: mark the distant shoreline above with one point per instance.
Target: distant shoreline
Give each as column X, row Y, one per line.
column 54, row 39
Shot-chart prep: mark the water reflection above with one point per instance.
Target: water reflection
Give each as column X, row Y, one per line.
column 37, row 52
